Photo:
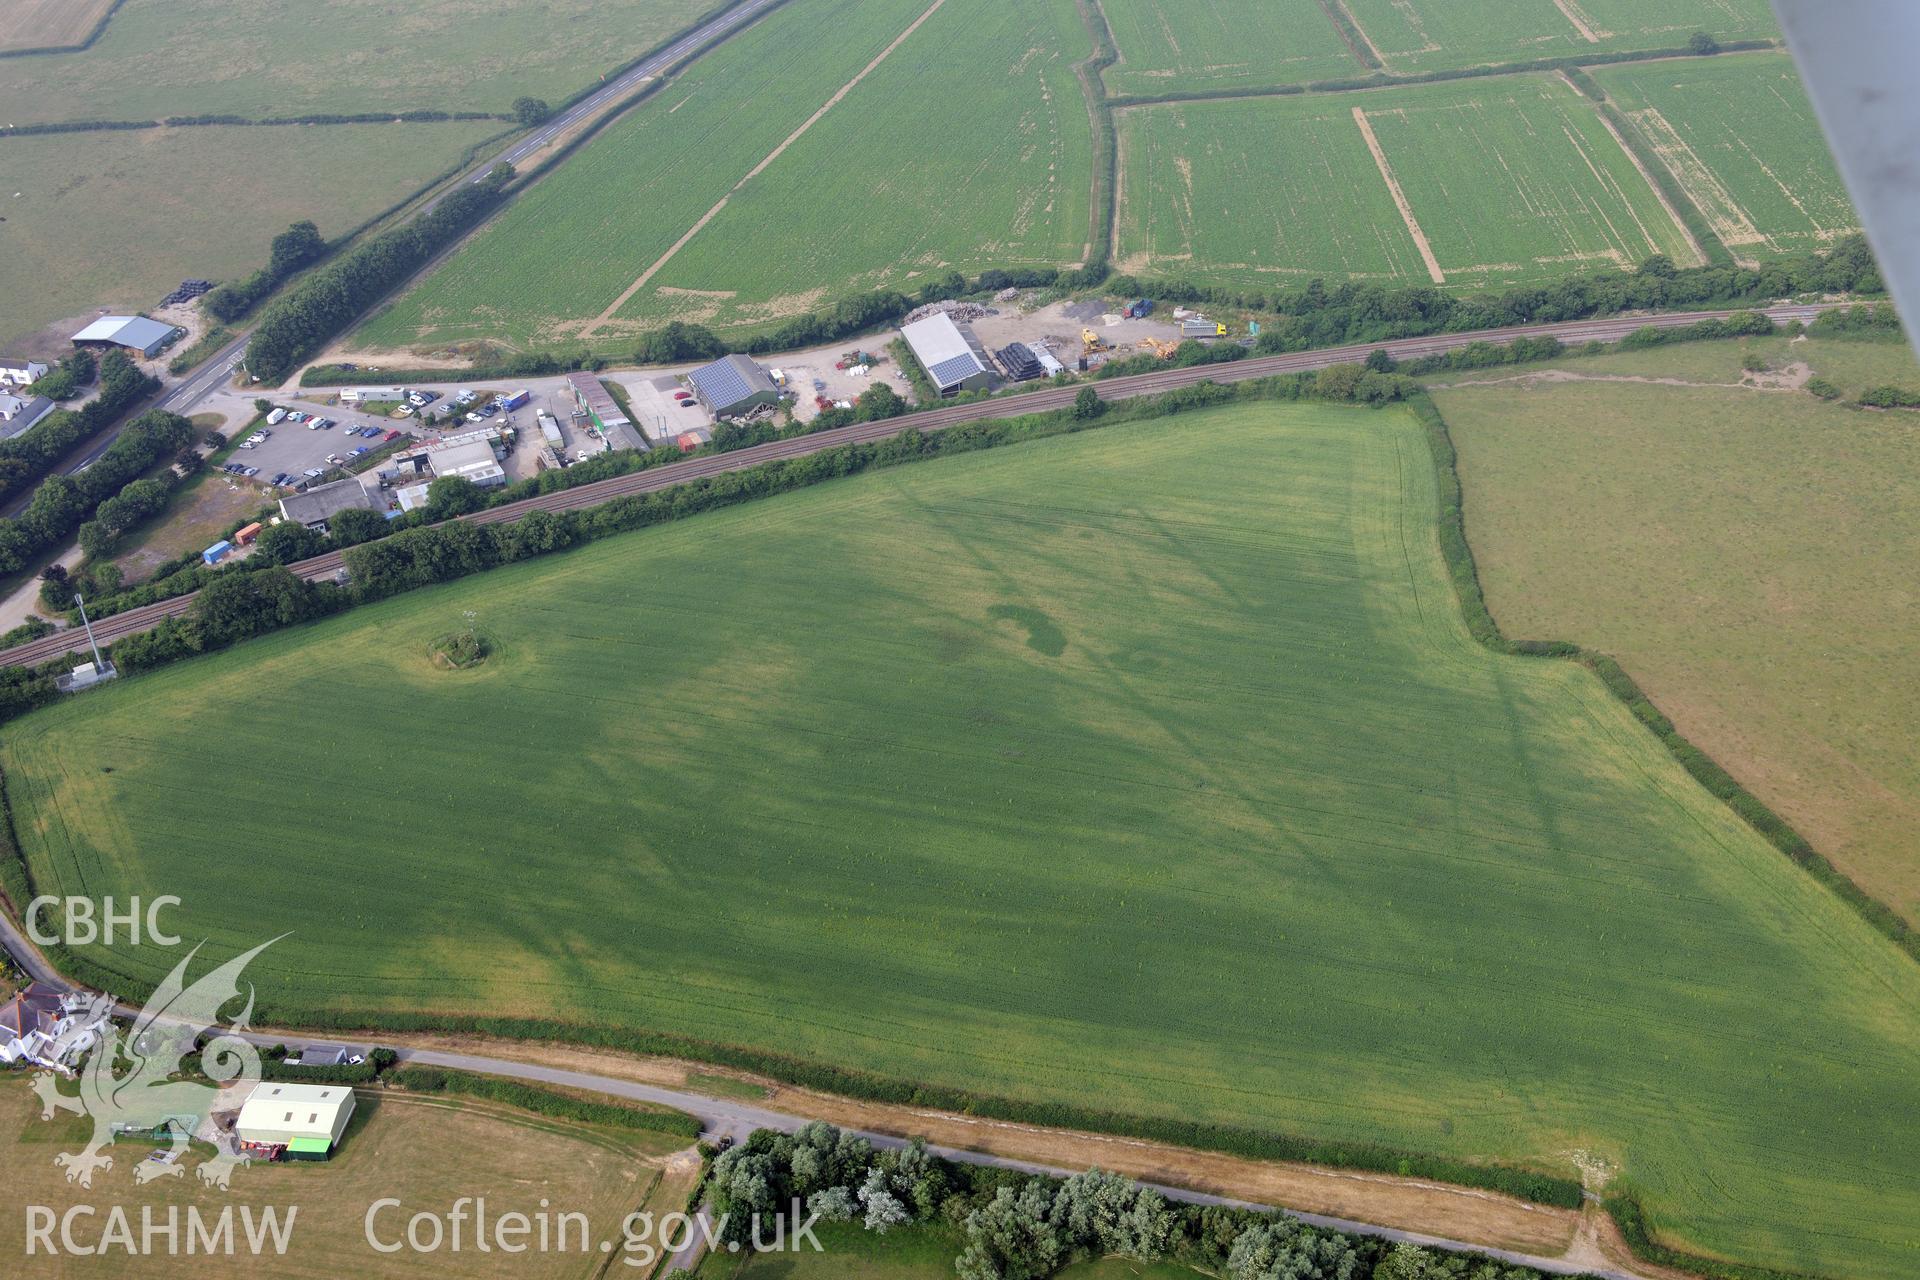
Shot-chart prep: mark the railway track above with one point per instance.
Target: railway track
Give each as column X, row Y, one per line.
column 134, row 621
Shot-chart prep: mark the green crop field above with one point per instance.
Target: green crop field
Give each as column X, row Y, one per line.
column 1507, row 180
column 967, row 146
column 116, row 220
column 1267, row 188
column 1151, row 767
column 239, row 57
column 1740, row 137
column 1436, row 35
column 1740, row 553
column 1216, row 44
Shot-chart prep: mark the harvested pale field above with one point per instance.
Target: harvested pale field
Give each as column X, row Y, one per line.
column 48, row 24
column 1436, row 35
column 113, row 221
column 162, row 58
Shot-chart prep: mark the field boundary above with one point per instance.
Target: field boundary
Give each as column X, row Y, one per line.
column 1463, row 570
column 99, row 29
column 1382, row 79
column 593, row 326
column 1103, row 207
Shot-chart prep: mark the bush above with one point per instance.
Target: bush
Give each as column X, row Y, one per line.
column 1822, row 388
column 294, row 248
column 1890, row 397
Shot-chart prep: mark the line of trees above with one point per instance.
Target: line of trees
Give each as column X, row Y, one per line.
column 1020, row 1226
column 62, row 502
column 330, row 299
column 26, row 458
column 1320, row 315
column 298, row 246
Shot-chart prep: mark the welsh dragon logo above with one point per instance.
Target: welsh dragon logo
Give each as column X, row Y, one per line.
column 129, row 1082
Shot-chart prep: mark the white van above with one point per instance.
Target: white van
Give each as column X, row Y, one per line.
column 276, row 417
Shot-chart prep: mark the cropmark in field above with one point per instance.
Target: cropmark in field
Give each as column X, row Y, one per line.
column 1151, row 769
column 1217, row 44
column 1258, row 189
column 1739, row 136
column 1438, row 35
column 1477, row 184
column 830, row 148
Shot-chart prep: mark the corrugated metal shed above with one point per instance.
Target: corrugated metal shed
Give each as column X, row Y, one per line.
column 137, row 332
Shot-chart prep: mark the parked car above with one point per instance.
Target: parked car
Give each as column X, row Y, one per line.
column 357, row 451
column 294, row 415
column 334, row 459
column 394, row 435
column 313, row 473
column 683, row 395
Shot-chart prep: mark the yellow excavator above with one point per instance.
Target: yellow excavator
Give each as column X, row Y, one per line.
column 1090, row 342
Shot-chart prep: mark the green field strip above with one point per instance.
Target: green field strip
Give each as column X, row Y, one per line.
column 1519, row 179
column 1740, row 138
column 1218, row 44
column 1005, row 182
column 1274, row 188
column 1158, row 770
column 1414, row 36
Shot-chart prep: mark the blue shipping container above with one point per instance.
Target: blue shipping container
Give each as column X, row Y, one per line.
column 217, row 552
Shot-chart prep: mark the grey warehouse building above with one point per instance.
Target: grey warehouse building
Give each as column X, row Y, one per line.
column 322, row 503
column 136, row 333
column 733, row 385
column 950, row 353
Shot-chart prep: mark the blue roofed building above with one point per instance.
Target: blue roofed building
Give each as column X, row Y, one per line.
column 733, row 386
column 950, row 353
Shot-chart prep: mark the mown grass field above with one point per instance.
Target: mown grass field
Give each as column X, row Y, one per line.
column 1217, row 44
column 116, row 220
column 162, row 58
column 1271, row 188
column 426, row 1154
column 1153, row 766
column 49, row 24
column 1507, row 180
column 1746, row 555
column 968, row 146
column 1436, row 35
column 1740, row 137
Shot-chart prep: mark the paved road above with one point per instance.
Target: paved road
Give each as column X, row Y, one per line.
column 728, row 1117
column 215, row 373
column 145, row 617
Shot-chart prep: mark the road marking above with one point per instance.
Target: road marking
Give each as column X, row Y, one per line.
column 1399, row 198
column 593, row 325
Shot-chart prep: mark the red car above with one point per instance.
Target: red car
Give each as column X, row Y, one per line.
column 393, row 435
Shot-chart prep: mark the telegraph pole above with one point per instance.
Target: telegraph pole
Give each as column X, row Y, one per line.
column 99, row 663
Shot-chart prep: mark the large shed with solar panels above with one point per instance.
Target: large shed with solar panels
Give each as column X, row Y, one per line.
column 732, row 386
column 950, row 353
